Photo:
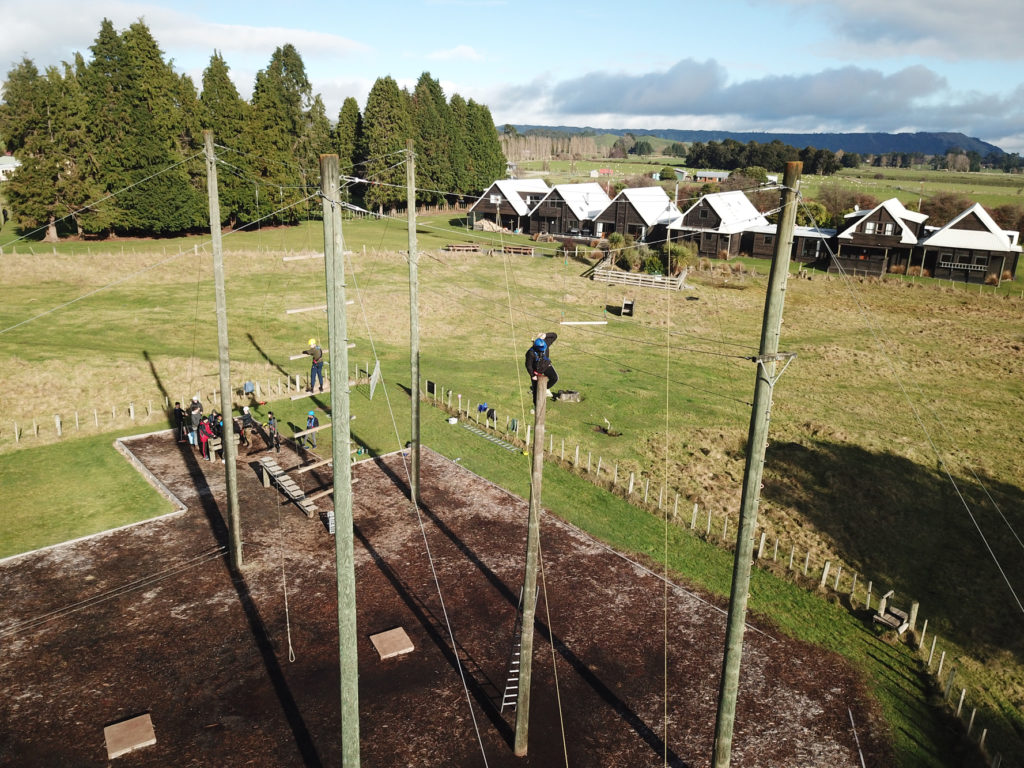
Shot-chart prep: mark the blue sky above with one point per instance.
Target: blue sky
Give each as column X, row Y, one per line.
column 750, row 65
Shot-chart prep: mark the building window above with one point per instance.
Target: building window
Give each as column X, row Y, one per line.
column 886, row 229
column 869, row 227
column 704, row 213
column 769, row 239
column 708, row 237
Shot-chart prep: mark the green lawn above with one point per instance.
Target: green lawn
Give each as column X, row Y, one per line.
column 850, row 474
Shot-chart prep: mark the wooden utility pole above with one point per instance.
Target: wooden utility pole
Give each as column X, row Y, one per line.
column 530, row 578
column 229, row 447
column 757, row 440
column 414, row 324
column 334, row 265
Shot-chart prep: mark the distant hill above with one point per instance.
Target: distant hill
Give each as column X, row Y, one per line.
column 861, row 143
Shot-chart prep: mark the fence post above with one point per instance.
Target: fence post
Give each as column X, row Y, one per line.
column 942, row 660
column 576, row 458
column 588, row 462
column 17, row 437
column 707, row 533
column 839, row 572
column 599, row 467
column 131, row 411
column 529, row 428
column 675, row 509
column 647, row 488
column 869, row 596
column 960, row 705
column 56, row 421
column 932, row 651
column 924, row 629
column 630, row 491
column 551, row 442
column 970, row 724
column 615, row 475
column 914, row 605
column 824, row 574
column 96, row 417
column 760, row 545
column 35, row 428
column 981, row 741
column 725, row 526
column 775, row 552
column 949, row 683
column 853, row 586
column 76, row 421
column 563, row 449
column 693, row 520
column 661, row 493
column 792, row 552
column 807, row 562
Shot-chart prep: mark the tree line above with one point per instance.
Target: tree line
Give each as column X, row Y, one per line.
column 111, row 145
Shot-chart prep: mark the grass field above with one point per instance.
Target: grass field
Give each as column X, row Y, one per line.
column 897, row 387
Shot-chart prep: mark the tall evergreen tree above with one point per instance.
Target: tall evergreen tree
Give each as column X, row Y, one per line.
column 484, row 149
column 461, row 175
column 348, row 136
column 386, row 126
column 433, row 124
column 226, row 113
column 279, row 103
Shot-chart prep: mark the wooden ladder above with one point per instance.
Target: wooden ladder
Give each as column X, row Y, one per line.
column 273, row 472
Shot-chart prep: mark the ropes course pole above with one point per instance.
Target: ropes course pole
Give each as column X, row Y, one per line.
column 530, row 578
column 334, row 266
column 230, row 450
column 414, row 325
column 757, row 441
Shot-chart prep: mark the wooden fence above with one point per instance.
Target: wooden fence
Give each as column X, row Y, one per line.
column 616, row 277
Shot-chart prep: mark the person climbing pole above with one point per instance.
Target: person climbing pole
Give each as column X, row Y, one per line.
column 311, row 423
column 538, row 362
column 316, row 370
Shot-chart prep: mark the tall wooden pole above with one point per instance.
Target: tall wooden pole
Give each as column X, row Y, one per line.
column 757, row 441
column 530, row 578
column 414, row 323
column 229, row 447
column 334, row 266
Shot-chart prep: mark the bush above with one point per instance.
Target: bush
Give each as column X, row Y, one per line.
column 914, row 271
column 897, row 269
column 667, row 174
column 679, row 256
column 1007, row 274
column 991, row 280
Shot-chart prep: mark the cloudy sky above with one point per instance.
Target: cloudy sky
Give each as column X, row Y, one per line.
column 747, row 65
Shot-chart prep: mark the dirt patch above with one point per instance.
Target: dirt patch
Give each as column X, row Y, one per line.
column 243, row 670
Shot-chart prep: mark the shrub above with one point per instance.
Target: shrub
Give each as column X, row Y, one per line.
column 652, row 264
column 925, row 273
column 723, row 254
column 1007, row 274
column 991, row 280
column 914, row 271
column 704, row 264
column 897, row 269
column 679, row 256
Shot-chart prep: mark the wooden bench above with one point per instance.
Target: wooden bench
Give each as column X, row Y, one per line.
column 519, row 250
column 462, row 248
column 891, row 617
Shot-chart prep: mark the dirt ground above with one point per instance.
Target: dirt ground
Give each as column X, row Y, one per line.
column 244, row 671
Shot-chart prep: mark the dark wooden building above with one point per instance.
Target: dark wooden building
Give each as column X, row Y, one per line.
column 508, row 202
column 874, row 240
column 716, row 224
column 569, row 209
column 971, row 248
column 643, row 212
column 810, row 244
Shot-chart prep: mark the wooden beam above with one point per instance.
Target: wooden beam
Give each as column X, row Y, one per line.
column 310, row 467
column 311, row 431
column 584, row 322
column 321, row 494
column 320, row 307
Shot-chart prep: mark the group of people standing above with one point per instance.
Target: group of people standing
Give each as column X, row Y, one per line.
column 196, row 428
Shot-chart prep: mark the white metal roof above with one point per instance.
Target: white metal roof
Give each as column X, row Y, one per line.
column 512, row 192
column 652, row 203
column 587, row 200
column 898, row 212
column 733, row 208
column 798, row 231
column 992, row 239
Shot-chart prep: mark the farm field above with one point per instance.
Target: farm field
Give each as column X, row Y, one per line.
column 897, row 387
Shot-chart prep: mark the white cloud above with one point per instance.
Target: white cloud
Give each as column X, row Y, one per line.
column 464, row 52
column 943, row 29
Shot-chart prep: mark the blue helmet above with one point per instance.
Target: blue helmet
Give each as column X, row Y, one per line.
column 312, row 413
column 540, row 345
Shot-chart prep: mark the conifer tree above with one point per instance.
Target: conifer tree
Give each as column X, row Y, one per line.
column 486, row 161
column 433, row 147
column 461, row 172
column 279, row 102
column 386, row 126
column 348, row 136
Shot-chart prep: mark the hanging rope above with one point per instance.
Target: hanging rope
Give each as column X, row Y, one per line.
column 512, row 333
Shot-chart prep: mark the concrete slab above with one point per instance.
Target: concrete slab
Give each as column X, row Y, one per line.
column 392, row 643
column 129, row 735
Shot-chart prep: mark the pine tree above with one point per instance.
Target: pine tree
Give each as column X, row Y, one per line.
column 348, row 136
column 486, row 160
column 461, row 174
column 226, row 114
column 386, row 126
column 433, row 147
column 279, row 102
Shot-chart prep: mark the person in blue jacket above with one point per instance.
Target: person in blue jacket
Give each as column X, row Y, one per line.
column 538, row 362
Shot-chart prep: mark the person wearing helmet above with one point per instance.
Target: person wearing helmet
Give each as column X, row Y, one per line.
column 195, row 416
column 311, row 422
column 316, row 370
column 538, row 362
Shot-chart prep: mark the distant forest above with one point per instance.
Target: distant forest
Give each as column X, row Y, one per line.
column 895, row 147
column 112, row 144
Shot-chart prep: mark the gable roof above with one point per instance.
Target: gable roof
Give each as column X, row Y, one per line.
column 895, row 209
column 651, row 203
column 513, row 191
column 992, row 238
column 586, row 201
column 734, row 209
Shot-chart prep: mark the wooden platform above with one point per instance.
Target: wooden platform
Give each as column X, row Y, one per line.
column 272, row 472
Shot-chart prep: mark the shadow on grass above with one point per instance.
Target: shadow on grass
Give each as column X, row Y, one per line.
column 906, row 523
